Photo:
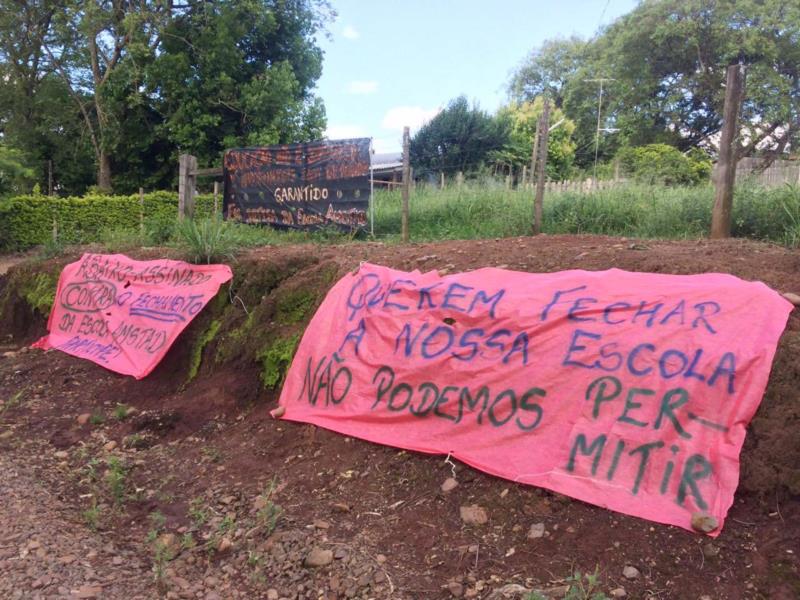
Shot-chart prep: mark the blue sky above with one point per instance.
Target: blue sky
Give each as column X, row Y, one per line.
column 390, row 63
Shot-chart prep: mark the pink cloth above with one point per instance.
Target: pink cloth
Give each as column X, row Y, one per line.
column 631, row 391
column 125, row 314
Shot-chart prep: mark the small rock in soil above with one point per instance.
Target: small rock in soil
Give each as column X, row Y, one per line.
column 456, row 589
column 536, row 531
column 319, row 558
column 508, row 592
column 557, row 591
column 449, row 485
column 224, row 545
column 168, row 541
column 87, row 591
column 630, row 572
column 109, row 446
column 704, row 523
column 84, row 418
column 61, row 454
column 473, row 515
column 618, row 593
column 272, row 594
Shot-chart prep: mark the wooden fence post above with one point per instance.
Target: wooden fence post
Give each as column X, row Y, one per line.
column 460, row 179
column 535, row 151
column 141, row 210
column 441, row 186
column 406, row 185
column 216, row 199
column 187, row 181
column 725, row 174
column 544, row 126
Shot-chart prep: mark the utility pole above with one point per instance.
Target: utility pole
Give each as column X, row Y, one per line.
column 544, row 128
column 601, row 80
column 725, row 173
column 406, row 185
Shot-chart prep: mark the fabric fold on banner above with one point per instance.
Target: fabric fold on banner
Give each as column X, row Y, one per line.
column 125, row 314
column 630, row 391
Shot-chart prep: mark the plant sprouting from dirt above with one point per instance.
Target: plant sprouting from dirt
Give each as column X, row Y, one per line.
column 269, row 512
column 582, row 586
column 92, row 515
column 162, row 554
column 12, row 402
column 198, row 512
column 157, row 522
column 187, row 541
column 121, row 411
column 116, row 479
column 212, row 454
column 96, row 418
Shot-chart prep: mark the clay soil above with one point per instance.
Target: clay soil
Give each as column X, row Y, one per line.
column 196, row 492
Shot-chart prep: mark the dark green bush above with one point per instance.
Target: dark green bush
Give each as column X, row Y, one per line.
column 27, row 221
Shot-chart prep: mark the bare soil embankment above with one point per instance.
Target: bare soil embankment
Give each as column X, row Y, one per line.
column 190, row 466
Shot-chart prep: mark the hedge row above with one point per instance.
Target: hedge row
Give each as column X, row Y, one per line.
column 27, row 221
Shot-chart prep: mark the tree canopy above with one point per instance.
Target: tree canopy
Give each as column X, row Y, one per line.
column 459, row 138
column 111, row 91
column 520, row 120
column 666, row 62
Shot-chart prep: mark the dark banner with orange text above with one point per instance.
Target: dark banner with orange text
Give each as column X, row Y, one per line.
column 299, row 186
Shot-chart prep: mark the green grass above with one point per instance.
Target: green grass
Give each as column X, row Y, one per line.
column 474, row 212
column 489, row 210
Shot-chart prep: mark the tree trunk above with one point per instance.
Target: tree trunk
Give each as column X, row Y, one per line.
column 104, row 171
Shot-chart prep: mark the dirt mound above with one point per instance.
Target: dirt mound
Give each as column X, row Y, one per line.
column 202, row 417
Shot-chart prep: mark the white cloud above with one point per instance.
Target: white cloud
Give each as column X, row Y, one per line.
column 350, row 32
column 414, row 116
column 345, row 131
column 362, row 87
column 387, row 144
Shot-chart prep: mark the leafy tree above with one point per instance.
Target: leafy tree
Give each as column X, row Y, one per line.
column 37, row 117
column 124, row 86
column 459, row 138
column 92, row 45
column 668, row 59
column 520, row 120
column 548, row 70
column 238, row 73
column 14, row 175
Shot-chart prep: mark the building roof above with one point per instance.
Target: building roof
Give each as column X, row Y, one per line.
column 387, row 160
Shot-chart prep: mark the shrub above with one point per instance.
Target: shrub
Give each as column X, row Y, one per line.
column 660, row 163
column 207, row 240
column 29, row 220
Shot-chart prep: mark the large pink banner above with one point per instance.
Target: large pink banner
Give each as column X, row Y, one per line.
column 631, row 391
column 125, row 314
